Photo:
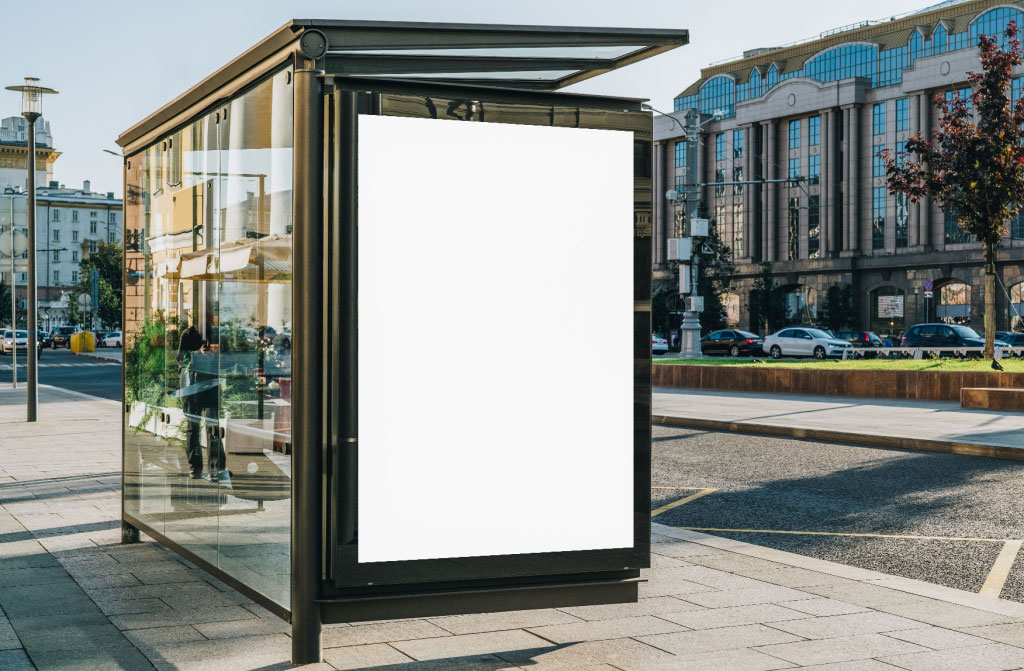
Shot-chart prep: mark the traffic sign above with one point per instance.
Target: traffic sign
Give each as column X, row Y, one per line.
column 928, row 286
column 927, row 294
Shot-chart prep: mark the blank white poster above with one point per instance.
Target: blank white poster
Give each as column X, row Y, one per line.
column 495, row 339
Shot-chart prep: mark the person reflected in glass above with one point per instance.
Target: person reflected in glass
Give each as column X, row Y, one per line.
column 200, row 398
column 190, row 342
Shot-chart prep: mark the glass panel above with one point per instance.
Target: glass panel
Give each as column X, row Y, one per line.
column 250, row 338
column 543, row 75
column 208, row 339
column 512, row 52
column 192, row 165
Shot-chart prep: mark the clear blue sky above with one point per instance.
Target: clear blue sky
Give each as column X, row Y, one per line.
column 114, row 62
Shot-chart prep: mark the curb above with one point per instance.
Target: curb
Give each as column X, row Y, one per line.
column 90, row 355
column 874, row 440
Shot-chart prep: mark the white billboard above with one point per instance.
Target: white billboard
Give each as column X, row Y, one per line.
column 495, row 339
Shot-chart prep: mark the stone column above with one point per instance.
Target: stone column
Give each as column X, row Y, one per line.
column 749, row 220
column 825, row 220
column 658, row 209
column 914, row 227
column 771, row 209
column 852, row 192
column 925, row 108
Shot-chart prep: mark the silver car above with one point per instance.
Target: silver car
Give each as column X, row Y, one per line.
column 804, row 341
column 8, row 341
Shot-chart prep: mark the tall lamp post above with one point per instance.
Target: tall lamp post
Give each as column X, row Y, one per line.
column 32, row 108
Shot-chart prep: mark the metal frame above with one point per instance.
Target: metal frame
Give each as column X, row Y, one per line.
column 324, row 219
column 349, row 578
column 277, row 48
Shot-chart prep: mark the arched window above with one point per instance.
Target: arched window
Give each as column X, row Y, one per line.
column 939, row 40
column 755, row 84
column 954, row 305
column 731, row 303
column 773, row 77
column 916, row 46
column 994, row 22
column 801, row 304
column 718, row 93
column 887, row 311
column 1017, row 307
column 843, row 62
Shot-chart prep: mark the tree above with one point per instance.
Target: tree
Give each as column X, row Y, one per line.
column 975, row 170
column 716, row 270
column 767, row 302
column 665, row 300
column 5, row 304
column 107, row 260
column 839, row 309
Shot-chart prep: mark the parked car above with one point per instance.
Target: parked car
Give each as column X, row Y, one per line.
column 658, row 344
column 61, row 336
column 804, row 342
column 731, row 342
column 10, row 340
column 44, row 339
column 861, row 339
column 1011, row 339
column 944, row 335
column 111, row 340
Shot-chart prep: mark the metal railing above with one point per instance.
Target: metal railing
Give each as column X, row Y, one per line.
column 918, row 353
column 844, row 29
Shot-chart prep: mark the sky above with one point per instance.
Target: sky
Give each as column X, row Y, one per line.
column 115, row 62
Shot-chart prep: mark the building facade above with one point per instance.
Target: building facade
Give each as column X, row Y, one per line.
column 71, row 224
column 14, row 153
column 814, row 116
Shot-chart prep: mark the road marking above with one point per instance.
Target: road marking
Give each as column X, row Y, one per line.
column 854, row 535
column 1001, row 569
column 675, row 504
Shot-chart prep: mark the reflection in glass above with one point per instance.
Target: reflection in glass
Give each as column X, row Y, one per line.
column 208, row 337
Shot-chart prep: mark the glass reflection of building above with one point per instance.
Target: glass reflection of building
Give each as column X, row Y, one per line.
column 208, row 337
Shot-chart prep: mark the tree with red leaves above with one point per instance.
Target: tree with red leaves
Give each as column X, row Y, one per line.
column 973, row 168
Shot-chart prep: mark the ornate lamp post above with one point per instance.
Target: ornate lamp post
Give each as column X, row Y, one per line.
column 32, row 108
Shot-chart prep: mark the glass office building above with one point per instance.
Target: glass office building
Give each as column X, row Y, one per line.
column 822, row 109
column 319, row 205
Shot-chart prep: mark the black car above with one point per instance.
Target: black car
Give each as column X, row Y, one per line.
column 944, row 335
column 61, row 336
column 1011, row 339
column 861, row 339
column 732, row 343
column 45, row 339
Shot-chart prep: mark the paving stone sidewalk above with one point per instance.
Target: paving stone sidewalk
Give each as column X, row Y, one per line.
column 74, row 598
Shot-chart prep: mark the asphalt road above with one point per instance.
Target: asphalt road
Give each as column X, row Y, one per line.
column 957, row 511
column 61, row 368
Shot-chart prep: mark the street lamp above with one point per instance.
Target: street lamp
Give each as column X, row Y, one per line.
column 32, row 108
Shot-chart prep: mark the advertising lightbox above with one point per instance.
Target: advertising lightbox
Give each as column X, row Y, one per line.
column 496, row 267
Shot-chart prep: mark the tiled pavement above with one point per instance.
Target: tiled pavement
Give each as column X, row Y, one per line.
column 73, row 598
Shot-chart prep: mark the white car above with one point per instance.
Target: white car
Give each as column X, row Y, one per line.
column 8, row 341
column 112, row 340
column 803, row 341
column 658, row 344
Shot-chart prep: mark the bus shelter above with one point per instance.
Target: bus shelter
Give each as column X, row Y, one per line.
column 387, row 310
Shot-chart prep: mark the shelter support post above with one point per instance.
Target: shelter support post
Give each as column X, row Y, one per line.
column 307, row 288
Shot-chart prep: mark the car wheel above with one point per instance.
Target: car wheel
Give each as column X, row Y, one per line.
column 734, row 351
column 819, row 352
column 776, row 352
